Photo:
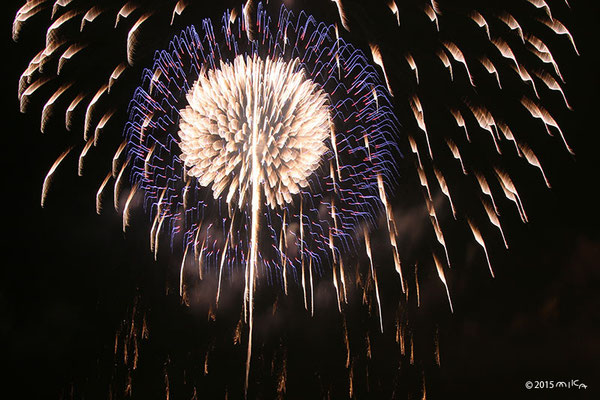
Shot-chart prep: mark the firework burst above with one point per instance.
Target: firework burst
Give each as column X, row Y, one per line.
column 266, row 144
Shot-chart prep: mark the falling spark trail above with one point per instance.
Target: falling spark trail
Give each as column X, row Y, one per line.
column 126, row 208
column 86, row 148
column 223, row 258
column 479, row 239
column 48, row 179
column 181, row 268
column 440, row 270
column 100, row 191
column 391, row 228
column 373, row 275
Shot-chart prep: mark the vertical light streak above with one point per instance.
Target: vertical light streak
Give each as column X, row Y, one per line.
column 222, row 263
column 181, row 269
column 302, row 255
column 391, row 228
column 440, row 270
column 251, row 266
column 374, row 275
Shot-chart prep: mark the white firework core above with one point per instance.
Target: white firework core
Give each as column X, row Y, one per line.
column 261, row 107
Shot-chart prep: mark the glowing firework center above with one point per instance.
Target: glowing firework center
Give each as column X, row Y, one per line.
column 254, row 122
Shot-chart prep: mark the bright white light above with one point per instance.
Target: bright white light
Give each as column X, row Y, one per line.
column 254, row 106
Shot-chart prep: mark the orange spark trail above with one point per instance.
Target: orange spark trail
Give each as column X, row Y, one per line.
column 440, row 271
column 126, row 208
column 48, row 179
column 99, row 193
column 479, row 239
column 374, row 275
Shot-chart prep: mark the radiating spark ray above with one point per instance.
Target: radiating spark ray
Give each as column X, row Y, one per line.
column 343, row 280
column 57, row 4
column 100, row 191
column 481, row 22
column 537, row 111
column 30, row 90
column 178, row 9
column 377, row 59
column 552, row 84
column 125, row 11
column 413, row 66
column 126, row 207
column 417, row 285
column 460, row 121
column 342, row 14
column 479, row 239
column 337, row 289
column 302, row 254
column 456, row 154
column 391, row 227
column 312, row 288
column 491, row 68
column 47, row 109
column 223, row 258
column 71, row 109
column 117, row 189
column 374, row 275
column 28, row 10
column 558, row 28
column 90, row 109
column 68, row 54
column 417, row 109
column 542, row 51
column 101, row 124
column 115, row 161
column 394, row 8
column 510, row 191
column 282, row 247
column 444, row 187
column 90, row 16
column 493, row 217
column 512, row 23
column 441, row 53
column 116, row 74
column 440, row 271
column 533, row 160
column 51, row 32
column 541, row 4
column 132, row 36
column 48, row 178
column 458, row 55
column 485, row 188
column 82, row 155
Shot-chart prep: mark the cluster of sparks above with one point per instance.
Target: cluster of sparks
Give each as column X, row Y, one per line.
column 321, row 162
column 273, row 147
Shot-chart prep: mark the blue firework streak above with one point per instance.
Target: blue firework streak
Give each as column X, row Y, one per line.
column 342, row 194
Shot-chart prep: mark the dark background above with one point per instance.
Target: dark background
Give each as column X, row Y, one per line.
column 69, row 277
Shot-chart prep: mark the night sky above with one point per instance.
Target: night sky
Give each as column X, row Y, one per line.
column 70, row 277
